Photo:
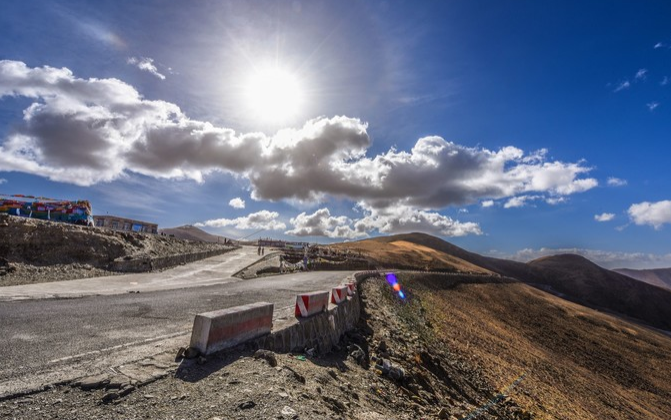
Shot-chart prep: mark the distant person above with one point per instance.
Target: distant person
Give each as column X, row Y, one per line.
column 258, row 251
column 263, row 251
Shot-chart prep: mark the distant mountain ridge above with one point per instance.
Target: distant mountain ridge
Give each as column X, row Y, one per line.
column 573, row 276
column 192, row 233
column 657, row 276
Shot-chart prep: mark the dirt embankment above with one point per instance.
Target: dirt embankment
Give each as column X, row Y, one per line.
column 34, row 251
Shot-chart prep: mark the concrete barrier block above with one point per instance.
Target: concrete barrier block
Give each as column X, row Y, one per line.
column 217, row 330
column 351, row 288
column 308, row 304
column 339, row 294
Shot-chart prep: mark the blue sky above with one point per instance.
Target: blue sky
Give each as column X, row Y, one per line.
column 515, row 129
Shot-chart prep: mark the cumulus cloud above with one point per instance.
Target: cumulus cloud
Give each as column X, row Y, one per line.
column 607, row 259
column 487, row 203
column 145, row 64
column 399, row 219
column 404, row 219
column 553, row 201
column 321, row 223
column 653, row 214
column 237, row 203
column 652, row 105
column 622, row 86
column 616, row 182
column 263, row 219
column 87, row 131
column 604, row 217
column 519, row 201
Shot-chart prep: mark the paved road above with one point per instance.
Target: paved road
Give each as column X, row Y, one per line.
column 214, row 270
column 44, row 339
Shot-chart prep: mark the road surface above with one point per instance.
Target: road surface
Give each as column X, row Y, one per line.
column 214, row 270
column 46, row 340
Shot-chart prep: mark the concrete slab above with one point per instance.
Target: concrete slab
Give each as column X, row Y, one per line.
column 218, row 330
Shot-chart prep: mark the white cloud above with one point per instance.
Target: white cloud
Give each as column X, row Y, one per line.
column 237, row 203
column 616, row 182
column 604, row 217
column 622, row 86
column 145, row 64
column 321, row 223
column 641, row 74
column 553, row 201
column 652, row 105
column 398, row 219
column 263, row 219
column 665, row 81
column 607, row 259
column 659, row 45
column 87, row 131
column 520, row 201
column 404, row 219
column 487, row 203
column 653, row 214
column 463, row 210
column 3, row 181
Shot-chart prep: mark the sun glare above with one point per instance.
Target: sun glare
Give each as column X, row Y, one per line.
column 274, row 95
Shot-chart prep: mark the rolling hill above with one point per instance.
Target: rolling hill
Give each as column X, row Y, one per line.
column 578, row 363
column 571, row 276
column 192, row 233
column 657, row 277
column 394, row 251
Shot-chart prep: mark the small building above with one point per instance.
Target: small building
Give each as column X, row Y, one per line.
column 123, row 224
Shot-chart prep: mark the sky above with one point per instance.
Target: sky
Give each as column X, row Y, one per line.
column 515, row 129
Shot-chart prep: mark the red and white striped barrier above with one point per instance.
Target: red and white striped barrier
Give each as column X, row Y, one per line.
column 351, row 288
column 311, row 303
column 339, row 294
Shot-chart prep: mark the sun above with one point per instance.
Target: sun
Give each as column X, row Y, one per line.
column 274, row 95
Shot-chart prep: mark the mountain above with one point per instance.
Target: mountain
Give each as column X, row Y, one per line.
column 660, row 277
column 571, row 276
column 586, row 282
column 192, row 233
column 397, row 252
column 578, row 363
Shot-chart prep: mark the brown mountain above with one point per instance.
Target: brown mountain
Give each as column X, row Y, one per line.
column 660, row 277
column 578, row 363
column 571, row 276
column 399, row 253
column 586, row 282
column 192, row 233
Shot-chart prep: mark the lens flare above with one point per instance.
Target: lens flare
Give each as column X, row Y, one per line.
column 393, row 282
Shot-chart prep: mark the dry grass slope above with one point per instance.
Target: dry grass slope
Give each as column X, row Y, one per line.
column 407, row 254
column 573, row 276
column 579, row 363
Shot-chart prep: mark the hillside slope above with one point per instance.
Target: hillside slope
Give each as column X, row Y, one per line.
column 575, row 277
column 395, row 251
column 660, row 277
column 35, row 251
column 192, row 233
column 585, row 281
column 578, row 363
